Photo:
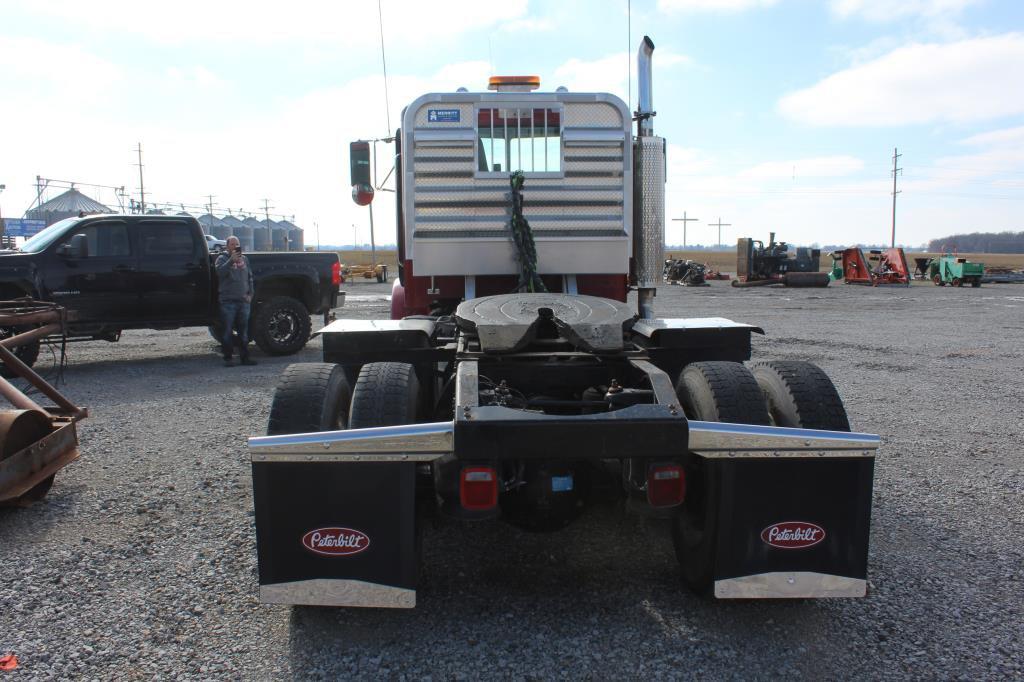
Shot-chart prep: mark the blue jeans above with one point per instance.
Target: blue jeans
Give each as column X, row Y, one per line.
column 234, row 316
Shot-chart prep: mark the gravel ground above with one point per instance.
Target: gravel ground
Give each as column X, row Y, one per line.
column 141, row 561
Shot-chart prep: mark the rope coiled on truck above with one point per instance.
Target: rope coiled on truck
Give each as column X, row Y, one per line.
column 522, row 240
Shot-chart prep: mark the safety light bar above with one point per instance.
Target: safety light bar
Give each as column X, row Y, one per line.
column 513, row 83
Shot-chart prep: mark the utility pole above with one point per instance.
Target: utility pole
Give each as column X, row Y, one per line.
column 895, row 159
column 720, row 225
column 266, row 213
column 142, row 187
column 685, row 220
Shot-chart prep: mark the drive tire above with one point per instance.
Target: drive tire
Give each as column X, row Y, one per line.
column 715, row 392
column 385, row 394
column 800, row 395
column 310, row 397
column 281, row 326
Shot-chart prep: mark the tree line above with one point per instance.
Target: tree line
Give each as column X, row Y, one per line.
column 980, row 242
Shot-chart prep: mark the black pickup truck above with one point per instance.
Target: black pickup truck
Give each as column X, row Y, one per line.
column 117, row 272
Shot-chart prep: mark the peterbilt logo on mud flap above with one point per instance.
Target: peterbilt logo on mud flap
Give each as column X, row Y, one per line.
column 793, row 535
column 336, row 541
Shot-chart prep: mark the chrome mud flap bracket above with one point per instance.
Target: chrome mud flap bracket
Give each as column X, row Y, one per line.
column 793, row 512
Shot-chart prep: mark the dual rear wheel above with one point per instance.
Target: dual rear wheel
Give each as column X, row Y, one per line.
column 316, row 396
column 780, row 393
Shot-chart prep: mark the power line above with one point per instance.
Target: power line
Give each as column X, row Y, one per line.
column 384, row 63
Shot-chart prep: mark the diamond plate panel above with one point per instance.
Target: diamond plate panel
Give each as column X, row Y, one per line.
column 649, row 234
column 592, row 115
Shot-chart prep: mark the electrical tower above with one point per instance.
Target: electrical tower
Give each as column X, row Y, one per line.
column 720, row 225
column 895, row 171
column 685, row 220
column 142, row 186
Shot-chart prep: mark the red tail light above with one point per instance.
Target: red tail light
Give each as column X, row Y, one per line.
column 336, row 278
column 478, row 488
column 666, row 485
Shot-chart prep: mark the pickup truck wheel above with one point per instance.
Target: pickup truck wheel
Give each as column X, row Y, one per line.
column 27, row 353
column 386, row 394
column 715, row 392
column 800, row 395
column 310, row 396
column 281, row 326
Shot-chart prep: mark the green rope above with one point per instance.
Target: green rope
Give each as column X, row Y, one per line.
column 522, row 239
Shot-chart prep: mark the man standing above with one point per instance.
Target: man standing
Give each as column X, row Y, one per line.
column 235, row 292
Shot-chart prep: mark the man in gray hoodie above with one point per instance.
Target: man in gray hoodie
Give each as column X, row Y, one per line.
column 235, row 291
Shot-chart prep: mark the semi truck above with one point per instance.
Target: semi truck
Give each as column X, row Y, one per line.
column 515, row 381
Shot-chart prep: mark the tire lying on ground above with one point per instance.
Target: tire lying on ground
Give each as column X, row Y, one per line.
column 385, row 394
column 310, row 396
column 800, row 395
column 714, row 392
column 280, row 326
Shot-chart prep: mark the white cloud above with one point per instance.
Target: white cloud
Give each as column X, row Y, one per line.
column 994, row 137
column 816, row 167
column 271, row 21
column 32, row 66
column 609, row 74
column 712, row 5
column 968, row 80
column 888, row 10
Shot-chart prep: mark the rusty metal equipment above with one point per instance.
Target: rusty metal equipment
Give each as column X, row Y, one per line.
column 879, row 268
column 758, row 264
column 35, row 441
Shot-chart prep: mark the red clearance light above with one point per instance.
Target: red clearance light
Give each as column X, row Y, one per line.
column 513, row 83
column 336, row 278
column 478, row 488
column 666, row 485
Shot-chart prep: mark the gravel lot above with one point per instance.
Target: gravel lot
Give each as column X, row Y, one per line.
column 141, row 561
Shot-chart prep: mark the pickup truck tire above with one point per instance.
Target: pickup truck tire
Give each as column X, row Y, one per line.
column 715, row 392
column 281, row 326
column 386, row 394
column 27, row 353
column 310, row 396
column 800, row 395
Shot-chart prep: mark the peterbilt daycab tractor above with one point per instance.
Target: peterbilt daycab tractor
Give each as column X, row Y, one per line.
column 514, row 382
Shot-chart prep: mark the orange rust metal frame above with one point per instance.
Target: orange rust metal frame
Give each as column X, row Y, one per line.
column 30, row 466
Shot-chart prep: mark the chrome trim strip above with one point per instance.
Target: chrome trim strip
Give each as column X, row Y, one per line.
column 790, row 585
column 409, row 442
column 714, row 439
column 338, row 592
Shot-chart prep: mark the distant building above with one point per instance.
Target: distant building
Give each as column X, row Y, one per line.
column 67, row 205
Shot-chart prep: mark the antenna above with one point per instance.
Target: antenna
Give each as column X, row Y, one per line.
column 384, row 63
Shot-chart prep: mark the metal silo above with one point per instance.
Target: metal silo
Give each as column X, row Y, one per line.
column 295, row 237
column 260, row 234
column 239, row 229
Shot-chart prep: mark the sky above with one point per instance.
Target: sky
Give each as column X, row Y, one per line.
column 780, row 115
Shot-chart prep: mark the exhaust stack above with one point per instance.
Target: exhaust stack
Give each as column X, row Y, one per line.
column 648, row 190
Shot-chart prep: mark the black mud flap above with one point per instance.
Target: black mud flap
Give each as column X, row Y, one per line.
column 336, row 533
column 793, row 527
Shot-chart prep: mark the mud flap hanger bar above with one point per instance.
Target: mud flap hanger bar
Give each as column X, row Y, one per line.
column 427, row 442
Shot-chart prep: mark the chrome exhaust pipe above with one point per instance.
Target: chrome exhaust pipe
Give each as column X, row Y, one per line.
column 648, row 190
column 645, row 80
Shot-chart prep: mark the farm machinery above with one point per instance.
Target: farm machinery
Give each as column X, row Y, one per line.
column 758, row 264
column 879, row 268
column 685, row 272
column 513, row 381
column 35, row 441
column 955, row 271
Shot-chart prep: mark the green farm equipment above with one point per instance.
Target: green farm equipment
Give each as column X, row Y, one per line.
column 955, row 271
